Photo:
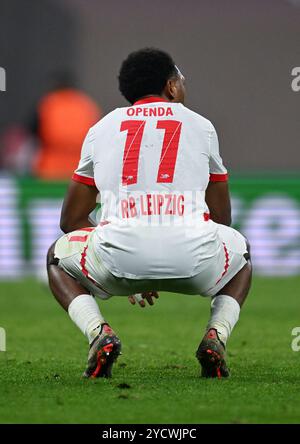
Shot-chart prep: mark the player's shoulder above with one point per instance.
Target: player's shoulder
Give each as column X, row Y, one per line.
column 198, row 119
column 103, row 126
column 105, row 120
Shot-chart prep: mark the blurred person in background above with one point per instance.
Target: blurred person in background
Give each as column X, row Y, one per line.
column 63, row 116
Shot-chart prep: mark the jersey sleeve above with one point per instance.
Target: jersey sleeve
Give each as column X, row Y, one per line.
column 85, row 170
column 217, row 171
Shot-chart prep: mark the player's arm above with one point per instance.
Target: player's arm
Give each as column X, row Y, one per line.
column 218, row 201
column 80, row 199
column 217, row 193
column 79, row 202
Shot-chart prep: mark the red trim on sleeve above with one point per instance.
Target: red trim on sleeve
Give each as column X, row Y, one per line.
column 218, row 177
column 83, row 179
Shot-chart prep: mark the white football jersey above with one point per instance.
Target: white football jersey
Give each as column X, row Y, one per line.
column 151, row 163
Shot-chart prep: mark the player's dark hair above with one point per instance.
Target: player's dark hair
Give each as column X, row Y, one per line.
column 145, row 72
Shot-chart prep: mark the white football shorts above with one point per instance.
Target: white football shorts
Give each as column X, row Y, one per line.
column 77, row 257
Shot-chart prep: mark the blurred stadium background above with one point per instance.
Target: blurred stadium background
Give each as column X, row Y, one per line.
column 238, row 62
column 241, row 59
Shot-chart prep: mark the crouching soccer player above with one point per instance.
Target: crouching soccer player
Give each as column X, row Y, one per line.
column 165, row 216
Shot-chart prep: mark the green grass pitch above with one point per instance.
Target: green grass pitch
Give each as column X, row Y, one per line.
column 156, row 380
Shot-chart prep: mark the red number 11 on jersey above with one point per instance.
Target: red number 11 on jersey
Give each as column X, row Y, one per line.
column 135, row 130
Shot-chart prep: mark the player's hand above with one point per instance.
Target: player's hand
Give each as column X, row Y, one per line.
column 140, row 298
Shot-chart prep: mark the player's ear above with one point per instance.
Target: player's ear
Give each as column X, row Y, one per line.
column 171, row 89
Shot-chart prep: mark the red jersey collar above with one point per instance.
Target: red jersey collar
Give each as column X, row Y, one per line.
column 151, row 99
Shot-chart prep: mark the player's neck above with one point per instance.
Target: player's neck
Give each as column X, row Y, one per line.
column 150, row 98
